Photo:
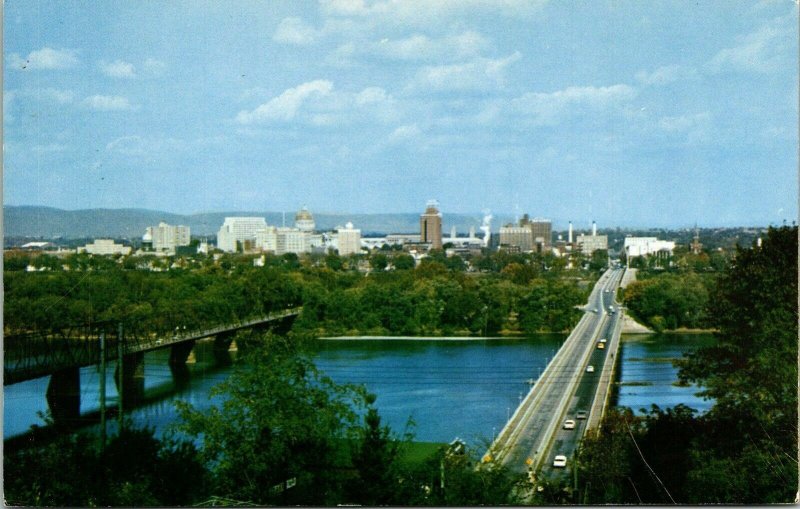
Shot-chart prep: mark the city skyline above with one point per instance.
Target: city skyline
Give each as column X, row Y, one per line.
column 627, row 114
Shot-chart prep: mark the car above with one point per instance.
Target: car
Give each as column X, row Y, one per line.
column 601, row 345
column 560, row 461
column 603, row 340
column 594, row 310
column 590, row 368
column 569, row 424
column 580, row 414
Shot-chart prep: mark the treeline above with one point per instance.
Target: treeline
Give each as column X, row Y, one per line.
column 744, row 449
column 284, row 435
column 672, row 300
column 513, row 293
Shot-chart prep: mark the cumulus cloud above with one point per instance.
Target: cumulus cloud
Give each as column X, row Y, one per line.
column 117, row 69
column 665, row 75
column 762, row 51
column 405, row 133
column 317, row 103
column 154, row 66
column 695, row 127
column 549, row 108
column 294, row 31
column 419, row 47
column 108, row 103
column 45, row 58
column 434, row 11
column 285, row 106
column 479, row 74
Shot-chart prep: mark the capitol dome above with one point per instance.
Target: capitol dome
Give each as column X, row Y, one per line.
column 304, row 221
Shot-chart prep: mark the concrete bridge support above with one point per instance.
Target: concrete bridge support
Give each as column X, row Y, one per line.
column 64, row 396
column 222, row 343
column 179, row 353
column 132, row 379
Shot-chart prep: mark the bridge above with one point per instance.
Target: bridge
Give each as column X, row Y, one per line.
column 61, row 353
column 568, row 389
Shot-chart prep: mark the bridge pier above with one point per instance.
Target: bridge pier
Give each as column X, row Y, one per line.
column 64, row 396
column 222, row 344
column 179, row 352
column 132, row 379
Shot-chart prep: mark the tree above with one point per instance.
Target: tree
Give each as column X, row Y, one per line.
column 752, row 373
column 282, row 420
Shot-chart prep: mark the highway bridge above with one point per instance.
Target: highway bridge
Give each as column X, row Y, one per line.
column 61, row 353
column 568, row 389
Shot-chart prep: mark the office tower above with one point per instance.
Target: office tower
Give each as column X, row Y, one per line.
column 241, row 230
column 542, row 231
column 166, row 237
column 349, row 240
column 430, row 225
column 516, row 236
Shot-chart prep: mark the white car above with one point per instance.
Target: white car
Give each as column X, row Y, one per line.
column 590, row 369
column 560, row 461
column 569, row 424
column 602, row 340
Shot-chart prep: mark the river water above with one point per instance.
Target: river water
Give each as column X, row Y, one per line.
column 449, row 388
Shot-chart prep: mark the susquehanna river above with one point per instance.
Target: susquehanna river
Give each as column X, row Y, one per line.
column 449, row 388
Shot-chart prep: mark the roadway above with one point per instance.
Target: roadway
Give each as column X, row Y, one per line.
column 533, row 435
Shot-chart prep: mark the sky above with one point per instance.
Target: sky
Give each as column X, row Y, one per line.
column 626, row 112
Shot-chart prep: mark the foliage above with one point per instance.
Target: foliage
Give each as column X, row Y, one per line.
column 744, row 449
column 281, row 420
column 134, row 469
column 670, row 301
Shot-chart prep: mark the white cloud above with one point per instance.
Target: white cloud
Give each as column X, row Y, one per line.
column 432, row 12
column 108, row 103
column 56, row 95
column 45, row 58
column 685, row 122
column 294, row 31
column 49, row 148
column 693, row 128
column 665, row 75
column 285, row 106
column 765, row 50
column 479, row 74
column 405, row 133
column 117, row 69
column 420, row 47
column 371, row 95
column 153, row 66
column 549, row 108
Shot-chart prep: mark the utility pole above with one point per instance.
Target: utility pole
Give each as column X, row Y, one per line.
column 103, row 389
column 120, row 376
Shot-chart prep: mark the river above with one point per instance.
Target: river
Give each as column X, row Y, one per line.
column 464, row 388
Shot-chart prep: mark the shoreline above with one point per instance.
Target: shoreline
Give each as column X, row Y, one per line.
column 415, row 338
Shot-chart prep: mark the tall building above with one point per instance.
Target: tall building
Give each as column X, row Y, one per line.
column 542, row 231
column 643, row 246
column 239, row 229
column 166, row 237
column 291, row 240
column 349, row 240
column 430, row 225
column 304, row 221
column 516, row 236
column 588, row 244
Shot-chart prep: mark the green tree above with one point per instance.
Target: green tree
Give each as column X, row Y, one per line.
column 281, row 420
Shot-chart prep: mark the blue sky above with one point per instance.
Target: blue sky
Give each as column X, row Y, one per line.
column 630, row 113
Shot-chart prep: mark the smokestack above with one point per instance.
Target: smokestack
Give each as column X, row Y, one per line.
column 594, row 229
column 758, row 242
column 569, row 236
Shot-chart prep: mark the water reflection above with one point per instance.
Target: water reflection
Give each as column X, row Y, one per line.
column 647, row 375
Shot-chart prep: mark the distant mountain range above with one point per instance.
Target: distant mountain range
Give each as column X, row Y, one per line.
column 48, row 222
